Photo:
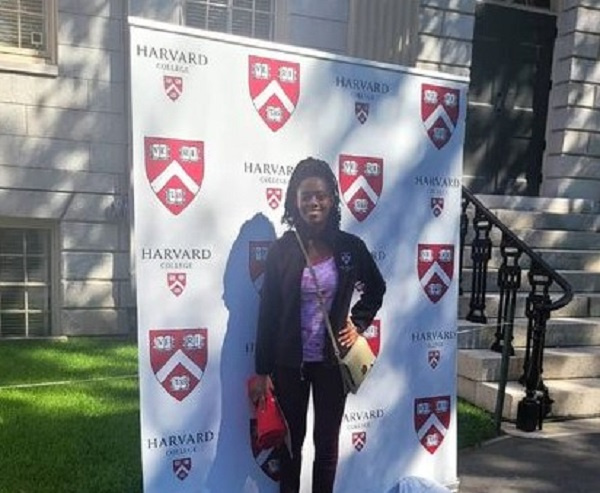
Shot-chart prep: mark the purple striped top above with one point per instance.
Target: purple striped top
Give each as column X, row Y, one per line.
column 313, row 326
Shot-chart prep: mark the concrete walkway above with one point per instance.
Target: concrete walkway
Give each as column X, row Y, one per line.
column 564, row 457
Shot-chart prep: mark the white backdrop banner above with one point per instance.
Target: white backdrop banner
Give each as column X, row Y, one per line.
column 218, row 124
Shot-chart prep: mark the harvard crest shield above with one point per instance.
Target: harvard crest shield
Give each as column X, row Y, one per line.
column 257, row 257
column 182, row 467
column 437, row 205
column 274, row 196
column 274, row 88
column 435, row 266
column 433, row 358
column 432, row 420
column 361, row 183
column 178, row 358
column 269, row 460
column 439, row 112
column 177, row 282
column 359, row 440
column 373, row 336
column 175, row 169
column 173, row 86
column 361, row 110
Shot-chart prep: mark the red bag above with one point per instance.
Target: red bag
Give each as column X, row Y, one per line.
column 271, row 428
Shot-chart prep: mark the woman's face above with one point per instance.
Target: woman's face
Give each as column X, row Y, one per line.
column 314, row 202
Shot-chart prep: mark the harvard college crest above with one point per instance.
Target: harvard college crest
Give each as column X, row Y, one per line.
column 173, row 86
column 373, row 336
column 182, row 467
column 274, row 197
column 177, row 281
column 359, row 440
column 178, row 358
column 361, row 183
column 437, row 205
column 175, row 169
column 269, row 460
column 257, row 257
column 435, row 266
column 439, row 112
column 274, row 88
column 432, row 420
column 361, row 110
column 433, row 358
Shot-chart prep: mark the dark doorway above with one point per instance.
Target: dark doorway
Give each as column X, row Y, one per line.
column 508, row 99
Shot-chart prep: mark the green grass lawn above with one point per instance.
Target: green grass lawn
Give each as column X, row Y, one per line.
column 81, row 435
column 474, row 425
column 69, row 417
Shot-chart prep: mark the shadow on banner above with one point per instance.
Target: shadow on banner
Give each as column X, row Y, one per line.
column 234, row 469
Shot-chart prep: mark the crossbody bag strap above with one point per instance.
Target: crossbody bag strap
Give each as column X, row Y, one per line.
column 319, row 296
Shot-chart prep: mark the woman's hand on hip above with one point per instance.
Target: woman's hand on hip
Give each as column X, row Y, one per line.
column 348, row 335
column 258, row 391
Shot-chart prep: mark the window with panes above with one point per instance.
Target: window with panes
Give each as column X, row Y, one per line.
column 24, row 282
column 25, row 27
column 252, row 18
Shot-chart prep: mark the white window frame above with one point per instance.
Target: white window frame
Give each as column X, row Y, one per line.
column 31, row 61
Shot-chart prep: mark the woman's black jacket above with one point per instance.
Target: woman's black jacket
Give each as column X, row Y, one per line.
column 278, row 339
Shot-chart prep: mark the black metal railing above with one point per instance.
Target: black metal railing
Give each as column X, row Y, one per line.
column 536, row 404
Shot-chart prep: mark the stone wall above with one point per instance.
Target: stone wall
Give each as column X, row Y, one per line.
column 572, row 164
column 63, row 164
column 445, row 36
column 318, row 24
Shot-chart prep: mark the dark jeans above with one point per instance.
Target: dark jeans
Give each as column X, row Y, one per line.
column 293, row 389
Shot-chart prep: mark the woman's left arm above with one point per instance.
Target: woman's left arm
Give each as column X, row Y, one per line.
column 373, row 288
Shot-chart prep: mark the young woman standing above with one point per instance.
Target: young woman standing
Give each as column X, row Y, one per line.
column 294, row 352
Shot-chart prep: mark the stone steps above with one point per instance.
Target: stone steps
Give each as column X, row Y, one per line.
column 552, row 221
column 575, row 398
column 567, row 240
column 548, row 239
column 583, row 260
column 560, row 332
column 534, row 204
column 566, row 234
column 580, row 281
column 582, row 305
column 483, row 365
column 571, row 361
